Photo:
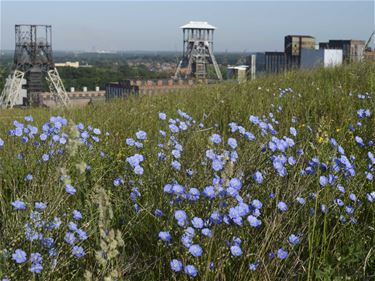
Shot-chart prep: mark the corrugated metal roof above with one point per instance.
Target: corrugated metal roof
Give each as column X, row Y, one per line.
column 198, row 25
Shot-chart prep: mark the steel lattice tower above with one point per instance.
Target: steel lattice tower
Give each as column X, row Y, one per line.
column 33, row 61
column 198, row 50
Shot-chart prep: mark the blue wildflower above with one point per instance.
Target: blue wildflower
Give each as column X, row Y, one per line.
column 130, row 142
column 370, row 197
column 235, row 250
column 180, row 215
column 138, row 170
column 282, row 206
column 82, row 235
column 141, row 135
column 217, row 165
column 207, row 232
column 70, row 238
column 19, row 256
column 40, row 205
column 78, row 251
column 165, row 236
column 195, row 250
column 209, row 192
column 158, row 213
column 70, row 189
column 215, row 138
column 256, row 204
column 77, row 215
column 36, row 258
column 232, row 143
column 323, row 180
column 176, row 165
column 254, row 266
column 359, row 140
column 253, row 221
column 72, row 226
column 176, row 265
column 197, row 222
column 293, row 131
column 282, row 254
column 293, row 239
column 162, row 116
column 193, row 194
column 191, row 270
column 19, row 205
column 258, row 177
column 36, row 268
column 45, row 157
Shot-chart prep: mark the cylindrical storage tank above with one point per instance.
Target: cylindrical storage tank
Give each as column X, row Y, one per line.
column 97, row 89
column 72, row 89
column 85, row 89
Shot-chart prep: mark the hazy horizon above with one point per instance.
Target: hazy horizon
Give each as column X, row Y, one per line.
column 131, row 26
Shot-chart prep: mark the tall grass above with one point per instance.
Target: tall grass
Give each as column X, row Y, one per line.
column 122, row 228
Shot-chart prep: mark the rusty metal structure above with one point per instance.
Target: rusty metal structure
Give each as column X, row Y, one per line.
column 33, row 62
column 197, row 50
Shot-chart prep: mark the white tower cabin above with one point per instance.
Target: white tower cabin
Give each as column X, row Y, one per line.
column 198, row 50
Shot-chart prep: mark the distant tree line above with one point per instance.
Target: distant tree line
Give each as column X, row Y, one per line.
column 114, row 67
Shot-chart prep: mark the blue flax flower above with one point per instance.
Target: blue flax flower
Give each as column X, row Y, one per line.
column 195, row 250
column 235, row 250
column 282, row 206
column 197, row 222
column 293, row 239
column 165, row 236
column 19, row 256
column 19, row 205
column 191, row 270
column 176, row 265
column 78, row 251
column 215, row 138
column 70, row 189
column 282, row 254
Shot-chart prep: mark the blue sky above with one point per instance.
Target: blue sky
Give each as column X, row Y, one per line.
column 154, row 25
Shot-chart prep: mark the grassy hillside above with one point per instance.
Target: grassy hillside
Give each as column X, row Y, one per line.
column 268, row 180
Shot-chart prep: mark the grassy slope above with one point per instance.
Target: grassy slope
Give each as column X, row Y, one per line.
column 328, row 249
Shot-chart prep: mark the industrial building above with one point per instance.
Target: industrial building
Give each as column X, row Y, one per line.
column 238, row 72
column 352, row 50
column 73, row 64
column 369, row 55
column 256, row 63
column 293, row 44
column 320, row 58
column 275, row 62
column 120, row 89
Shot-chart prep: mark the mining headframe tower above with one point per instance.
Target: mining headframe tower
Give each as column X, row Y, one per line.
column 33, row 61
column 198, row 39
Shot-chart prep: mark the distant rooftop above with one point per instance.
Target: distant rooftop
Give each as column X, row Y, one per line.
column 198, row 25
column 305, row 36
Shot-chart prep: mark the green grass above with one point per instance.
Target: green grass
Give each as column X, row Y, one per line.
column 323, row 108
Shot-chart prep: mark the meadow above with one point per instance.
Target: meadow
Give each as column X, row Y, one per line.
column 266, row 180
